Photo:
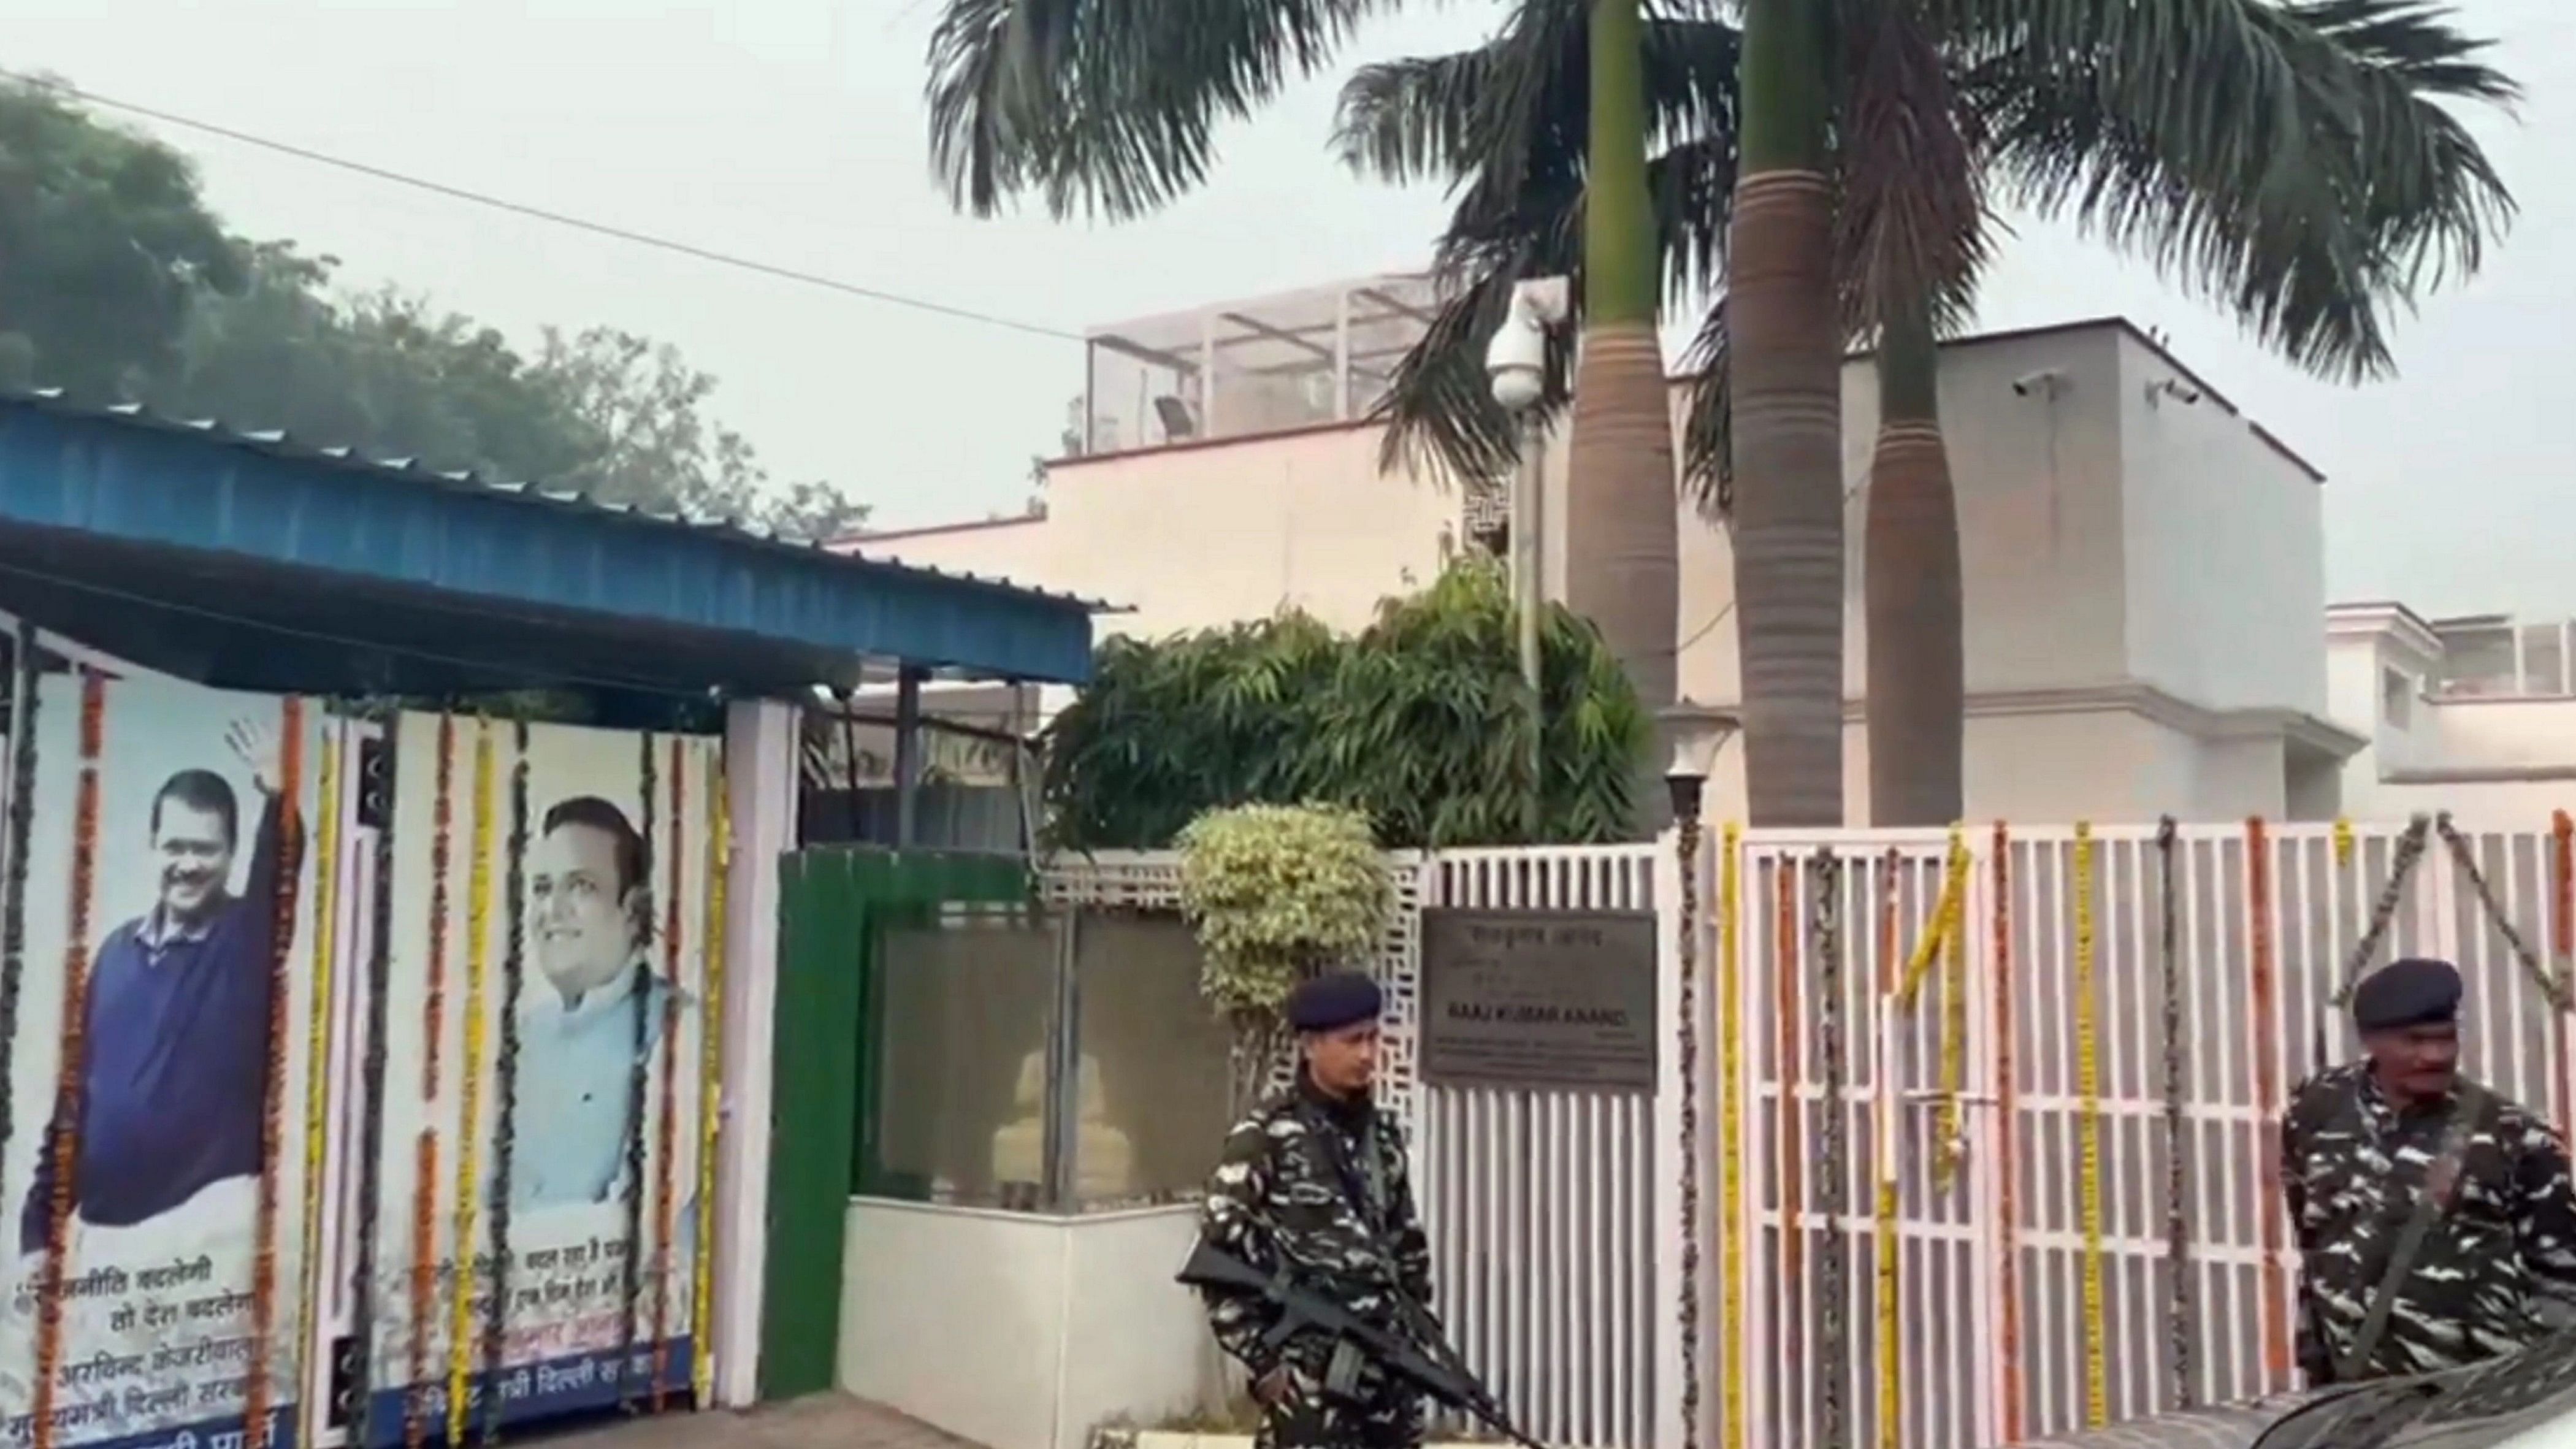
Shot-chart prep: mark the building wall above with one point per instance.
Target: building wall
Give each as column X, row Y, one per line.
column 2105, row 544
column 1015, row 1331
column 2225, row 543
column 1201, row 534
column 2499, row 761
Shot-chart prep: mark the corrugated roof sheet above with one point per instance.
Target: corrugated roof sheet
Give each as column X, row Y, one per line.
column 409, row 472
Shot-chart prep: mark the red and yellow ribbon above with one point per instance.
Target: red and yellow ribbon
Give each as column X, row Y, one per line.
column 64, row 1143
column 290, row 873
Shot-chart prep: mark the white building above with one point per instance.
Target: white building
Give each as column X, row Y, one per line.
column 2144, row 564
column 2474, row 715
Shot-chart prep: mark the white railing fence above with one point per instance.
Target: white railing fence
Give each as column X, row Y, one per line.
column 1541, row 1204
column 2032, row 1288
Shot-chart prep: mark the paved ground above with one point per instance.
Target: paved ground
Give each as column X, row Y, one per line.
column 822, row 1421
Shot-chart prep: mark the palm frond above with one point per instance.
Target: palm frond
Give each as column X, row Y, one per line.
column 1708, row 437
column 1911, row 219
column 1109, row 107
column 1512, row 114
column 2294, row 161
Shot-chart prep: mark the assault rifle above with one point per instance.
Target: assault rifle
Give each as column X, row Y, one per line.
column 1433, row 1367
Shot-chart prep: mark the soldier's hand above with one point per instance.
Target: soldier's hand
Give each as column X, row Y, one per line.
column 1272, row 1387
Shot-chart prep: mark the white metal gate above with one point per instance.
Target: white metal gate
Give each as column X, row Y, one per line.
column 2025, row 1292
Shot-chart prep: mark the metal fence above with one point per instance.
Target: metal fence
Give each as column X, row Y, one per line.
column 1979, row 1228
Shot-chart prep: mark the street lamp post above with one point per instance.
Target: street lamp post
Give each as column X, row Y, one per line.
column 1516, row 364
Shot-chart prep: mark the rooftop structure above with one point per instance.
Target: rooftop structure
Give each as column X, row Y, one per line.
column 1299, row 359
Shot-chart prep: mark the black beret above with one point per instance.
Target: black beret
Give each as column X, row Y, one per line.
column 2412, row 991
column 1329, row 1003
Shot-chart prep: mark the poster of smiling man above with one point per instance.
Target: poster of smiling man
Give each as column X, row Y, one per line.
column 151, row 1195
column 535, row 1223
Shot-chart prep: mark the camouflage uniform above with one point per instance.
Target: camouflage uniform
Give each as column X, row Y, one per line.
column 2353, row 1168
column 1278, row 1200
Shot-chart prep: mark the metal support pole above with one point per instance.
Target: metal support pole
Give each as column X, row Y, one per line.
column 1529, row 599
column 907, row 753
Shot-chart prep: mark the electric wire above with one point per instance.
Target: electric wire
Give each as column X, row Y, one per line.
column 492, row 202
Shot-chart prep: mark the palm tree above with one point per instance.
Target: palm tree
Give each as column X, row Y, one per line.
column 2290, row 159
column 1108, row 107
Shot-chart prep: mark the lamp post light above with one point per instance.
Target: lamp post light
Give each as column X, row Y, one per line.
column 1516, row 365
column 1693, row 733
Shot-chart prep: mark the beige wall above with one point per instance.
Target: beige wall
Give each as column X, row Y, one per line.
column 2107, row 544
column 1206, row 534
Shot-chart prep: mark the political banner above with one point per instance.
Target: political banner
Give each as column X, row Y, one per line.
column 535, row 1205
column 152, row 1186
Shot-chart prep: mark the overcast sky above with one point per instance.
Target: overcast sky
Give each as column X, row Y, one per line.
column 791, row 131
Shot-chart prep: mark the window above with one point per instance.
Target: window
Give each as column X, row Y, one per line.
column 955, row 1107
column 2479, row 661
column 2544, row 659
column 2396, row 697
column 1039, row 1063
column 1150, row 1112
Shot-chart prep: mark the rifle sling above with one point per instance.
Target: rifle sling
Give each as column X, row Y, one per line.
column 2441, row 1184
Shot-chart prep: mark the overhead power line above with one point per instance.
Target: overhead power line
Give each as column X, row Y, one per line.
column 539, row 213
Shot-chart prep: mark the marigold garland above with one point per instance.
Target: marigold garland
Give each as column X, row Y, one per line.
column 710, row 1085
column 1893, row 986
column 424, row 1196
column 1792, row 1145
column 505, row 1078
column 638, row 1087
column 2258, row 909
column 317, row 1075
column 25, row 680
column 2180, row 1314
column 478, row 963
column 2088, row 1131
column 378, row 807
column 665, row 1131
column 1730, row 1130
column 290, row 876
column 1835, row 1162
column 2007, row 1113
column 65, row 1137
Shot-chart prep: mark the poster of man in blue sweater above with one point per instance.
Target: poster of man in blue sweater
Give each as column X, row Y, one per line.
column 176, row 1050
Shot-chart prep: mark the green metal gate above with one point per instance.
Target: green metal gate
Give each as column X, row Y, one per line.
column 835, row 904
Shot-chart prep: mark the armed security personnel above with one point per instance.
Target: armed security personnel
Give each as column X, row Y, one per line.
column 1313, row 1184
column 2434, row 1219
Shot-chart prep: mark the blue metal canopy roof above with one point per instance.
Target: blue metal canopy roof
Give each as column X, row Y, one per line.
column 265, row 563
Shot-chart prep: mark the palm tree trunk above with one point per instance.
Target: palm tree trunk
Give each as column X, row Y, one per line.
column 1917, row 685
column 1787, row 357
column 1621, row 568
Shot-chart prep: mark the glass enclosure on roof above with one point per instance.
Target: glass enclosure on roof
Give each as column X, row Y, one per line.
column 1236, row 369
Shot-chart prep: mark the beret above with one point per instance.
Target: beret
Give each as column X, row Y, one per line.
column 1329, row 1003
column 2411, row 991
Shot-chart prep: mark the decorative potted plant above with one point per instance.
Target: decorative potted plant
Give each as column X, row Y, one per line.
column 1277, row 893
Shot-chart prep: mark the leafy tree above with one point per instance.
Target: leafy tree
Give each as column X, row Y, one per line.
column 2292, row 159
column 1110, row 106
column 118, row 283
column 104, row 241
column 1419, row 721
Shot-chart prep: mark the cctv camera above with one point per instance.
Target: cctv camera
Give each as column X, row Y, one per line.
column 2044, row 381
